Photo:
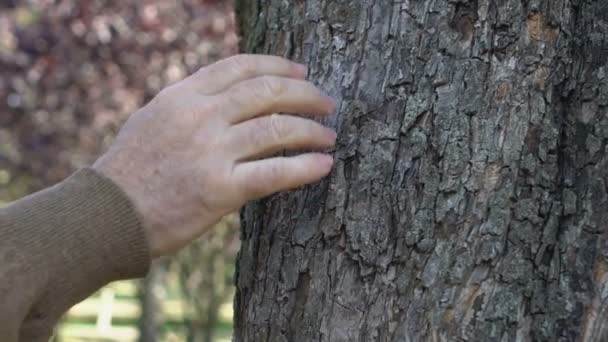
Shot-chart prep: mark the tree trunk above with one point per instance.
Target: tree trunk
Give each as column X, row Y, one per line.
column 469, row 198
column 151, row 320
column 206, row 273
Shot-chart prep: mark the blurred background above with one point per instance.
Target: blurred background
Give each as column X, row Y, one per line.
column 70, row 73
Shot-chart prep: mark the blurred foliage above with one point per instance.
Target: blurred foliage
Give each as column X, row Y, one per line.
column 208, row 284
column 71, row 71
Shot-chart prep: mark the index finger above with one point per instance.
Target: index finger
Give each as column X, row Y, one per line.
column 269, row 94
column 220, row 76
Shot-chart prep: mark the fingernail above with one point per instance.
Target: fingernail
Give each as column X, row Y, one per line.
column 332, row 103
column 334, row 136
column 301, row 69
column 328, row 161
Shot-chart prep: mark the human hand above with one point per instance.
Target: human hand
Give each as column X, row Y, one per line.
column 196, row 151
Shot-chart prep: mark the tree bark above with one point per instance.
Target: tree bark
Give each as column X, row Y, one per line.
column 469, row 198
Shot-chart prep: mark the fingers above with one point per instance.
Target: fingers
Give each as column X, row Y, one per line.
column 271, row 94
column 222, row 75
column 261, row 178
column 272, row 133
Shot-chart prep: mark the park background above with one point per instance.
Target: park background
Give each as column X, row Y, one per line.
column 70, row 73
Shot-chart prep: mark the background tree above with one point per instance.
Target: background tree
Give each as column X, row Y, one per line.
column 469, row 197
column 72, row 71
column 206, row 272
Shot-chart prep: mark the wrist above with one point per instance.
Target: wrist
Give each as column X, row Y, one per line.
column 108, row 166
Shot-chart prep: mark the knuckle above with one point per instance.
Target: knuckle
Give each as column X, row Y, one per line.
column 244, row 65
column 276, row 127
column 257, row 132
column 273, row 86
column 265, row 179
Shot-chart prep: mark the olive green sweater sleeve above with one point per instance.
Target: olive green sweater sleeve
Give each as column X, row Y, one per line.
column 60, row 245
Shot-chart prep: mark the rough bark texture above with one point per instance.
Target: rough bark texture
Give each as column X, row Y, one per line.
column 469, row 198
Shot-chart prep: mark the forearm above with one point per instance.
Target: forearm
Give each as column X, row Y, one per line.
column 60, row 245
column 190, row 156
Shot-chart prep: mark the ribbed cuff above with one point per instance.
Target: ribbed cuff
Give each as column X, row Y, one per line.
column 78, row 235
column 110, row 225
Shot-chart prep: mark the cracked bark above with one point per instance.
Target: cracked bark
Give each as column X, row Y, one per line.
column 469, row 197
